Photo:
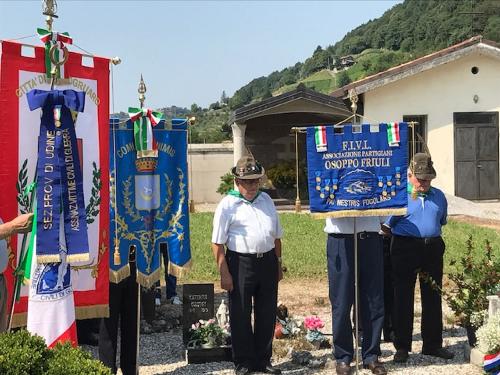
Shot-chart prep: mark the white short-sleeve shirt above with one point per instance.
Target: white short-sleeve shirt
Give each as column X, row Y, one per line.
column 345, row 225
column 246, row 227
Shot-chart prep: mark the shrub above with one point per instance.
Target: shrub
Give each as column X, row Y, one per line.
column 68, row 360
column 227, row 183
column 282, row 175
column 22, row 354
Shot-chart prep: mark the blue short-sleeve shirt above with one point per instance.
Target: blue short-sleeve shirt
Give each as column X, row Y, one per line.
column 425, row 216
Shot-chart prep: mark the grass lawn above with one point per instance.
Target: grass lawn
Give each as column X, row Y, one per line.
column 304, row 245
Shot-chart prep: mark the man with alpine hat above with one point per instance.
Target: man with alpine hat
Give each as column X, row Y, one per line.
column 246, row 242
column 417, row 247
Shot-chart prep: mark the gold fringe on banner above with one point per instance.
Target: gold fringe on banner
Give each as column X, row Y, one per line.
column 19, row 320
column 48, row 259
column 147, row 281
column 179, row 271
column 91, row 312
column 78, row 258
column 358, row 213
column 116, row 276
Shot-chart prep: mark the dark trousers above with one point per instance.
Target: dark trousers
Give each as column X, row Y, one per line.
column 409, row 256
column 253, row 279
column 170, row 280
column 123, row 308
column 340, row 256
column 388, row 291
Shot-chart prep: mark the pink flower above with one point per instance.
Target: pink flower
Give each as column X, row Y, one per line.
column 313, row 322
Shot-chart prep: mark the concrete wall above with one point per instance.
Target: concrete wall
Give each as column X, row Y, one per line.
column 208, row 162
column 438, row 93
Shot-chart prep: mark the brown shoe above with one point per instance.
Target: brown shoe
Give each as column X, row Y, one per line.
column 376, row 368
column 343, row 368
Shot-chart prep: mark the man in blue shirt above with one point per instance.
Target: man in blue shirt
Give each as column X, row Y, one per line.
column 417, row 247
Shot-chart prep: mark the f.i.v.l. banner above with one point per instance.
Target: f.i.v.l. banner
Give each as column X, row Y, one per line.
column 149, row 203
column 22, row 69
column 357, row 173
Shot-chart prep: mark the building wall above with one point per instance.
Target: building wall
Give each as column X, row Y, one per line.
column 438, row 93
column 208, row 162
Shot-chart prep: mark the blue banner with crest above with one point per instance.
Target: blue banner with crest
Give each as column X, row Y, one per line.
column 149, row 203
column 357, row 173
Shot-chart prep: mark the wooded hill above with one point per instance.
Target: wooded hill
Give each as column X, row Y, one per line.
column 403, row 33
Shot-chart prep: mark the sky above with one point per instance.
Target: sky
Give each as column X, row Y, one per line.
column 191, row 51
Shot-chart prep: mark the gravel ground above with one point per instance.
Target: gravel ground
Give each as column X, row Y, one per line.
column 162, row 354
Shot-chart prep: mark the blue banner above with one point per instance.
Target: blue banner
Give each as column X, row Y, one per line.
column 357, row 173
column 59, row 177
column 151, row 205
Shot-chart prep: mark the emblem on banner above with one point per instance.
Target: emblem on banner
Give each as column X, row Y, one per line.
column 147, row 192
column 51, row 282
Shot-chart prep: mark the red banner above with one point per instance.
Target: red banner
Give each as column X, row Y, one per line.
column 22, row 68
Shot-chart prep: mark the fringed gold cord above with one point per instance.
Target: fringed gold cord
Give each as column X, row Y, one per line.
column 116, row 276
column 358, row 213
column 91, row 312
column 148, row 280
column 19, row 319
column 48, row 258
column 73, row 258
column 179, row 271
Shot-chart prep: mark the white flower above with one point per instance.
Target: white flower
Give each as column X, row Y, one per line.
column 488, row 335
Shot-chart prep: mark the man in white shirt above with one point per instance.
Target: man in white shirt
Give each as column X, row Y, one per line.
column 21, row 224
column 247, row 225
column 340, row 257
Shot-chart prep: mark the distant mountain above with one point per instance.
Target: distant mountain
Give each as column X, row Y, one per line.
column 403, row 33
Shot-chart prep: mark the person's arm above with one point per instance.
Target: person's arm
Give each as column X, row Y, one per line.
column 226, row 280
column 277, row 251
column 21, row 224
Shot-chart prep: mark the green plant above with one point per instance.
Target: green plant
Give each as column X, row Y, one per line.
column 207, row 332
column 65, row 359
column 227, row 183
column 22, row 354
column 282, row 175
column 476, row 277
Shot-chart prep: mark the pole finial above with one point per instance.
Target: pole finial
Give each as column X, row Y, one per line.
column 49, row 9
column 353, row 97
column 142, row 90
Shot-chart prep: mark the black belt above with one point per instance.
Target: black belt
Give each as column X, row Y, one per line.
column 361, row 235
column 252, row 255
column 425, row 240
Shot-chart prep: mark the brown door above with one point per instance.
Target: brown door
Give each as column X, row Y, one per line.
column 476, row 155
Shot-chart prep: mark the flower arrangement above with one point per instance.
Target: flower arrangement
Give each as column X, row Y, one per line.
column 207, row 333
column 488, row 335
column 312, row 324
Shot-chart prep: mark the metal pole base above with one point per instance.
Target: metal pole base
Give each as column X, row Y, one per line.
column 191, row 206
column 298, row 205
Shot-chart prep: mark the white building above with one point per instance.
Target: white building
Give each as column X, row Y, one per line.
column 454, row 94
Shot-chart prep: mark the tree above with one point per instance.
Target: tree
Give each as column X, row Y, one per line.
column 343, row 78
column 195, row 108
column 224, row 98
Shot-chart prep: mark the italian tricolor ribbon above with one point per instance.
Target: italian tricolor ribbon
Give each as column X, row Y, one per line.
column 320, row 138
column 492, row 363
column 49, row 38
column 393, row 134
column 144, row 119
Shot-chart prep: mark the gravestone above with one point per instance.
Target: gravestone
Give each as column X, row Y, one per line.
column 198, row 303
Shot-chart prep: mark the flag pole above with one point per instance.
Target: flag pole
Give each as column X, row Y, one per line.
column 353, row 97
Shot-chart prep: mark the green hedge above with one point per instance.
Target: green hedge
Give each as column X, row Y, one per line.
column 24, row 354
